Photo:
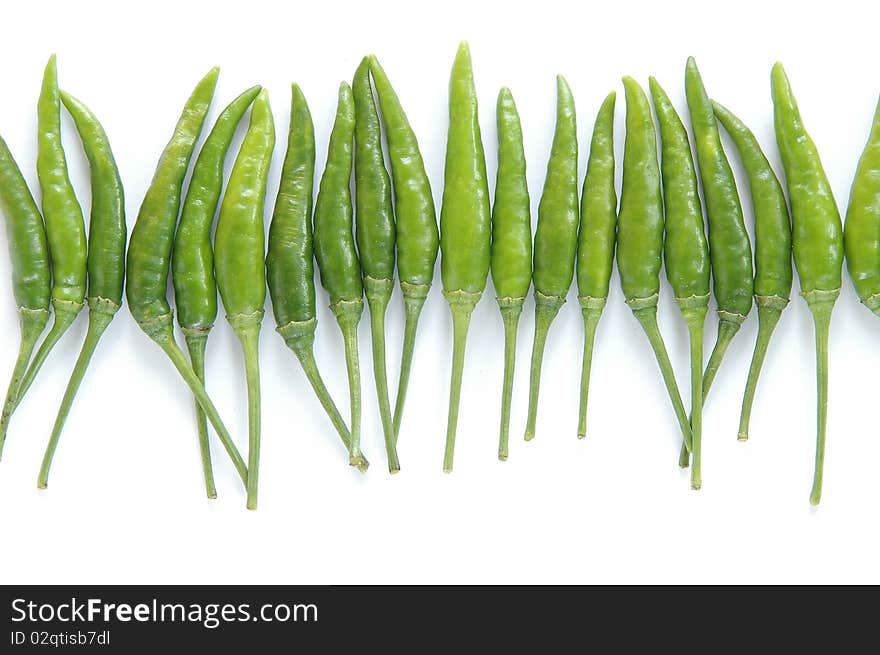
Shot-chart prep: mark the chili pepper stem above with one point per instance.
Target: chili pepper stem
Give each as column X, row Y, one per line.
column 546, row 309
column 348, row 315
column 645, row 311
column 821, row 303
column 32, row 323
column 378, row 294
column 414, row 296
column 511, row 309
column 101, row 312
column 728, row 325
column 769, row 311
column 461, row 304
column 196, row 340
column 695, row 316
column 300, row 338
column 591, row 308
column 247, row 328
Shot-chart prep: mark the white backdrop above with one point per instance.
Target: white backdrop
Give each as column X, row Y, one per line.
column 126, row 499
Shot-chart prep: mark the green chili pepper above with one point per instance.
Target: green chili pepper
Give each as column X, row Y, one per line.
column 685, row 250
column 729, row 247
column 375, row 232
column 106, row 256
column 596, row 237
column 555, row 238
column 465, row 224
column 149, row 252
column 192, row 261
column 290, row 262
column 817, row 239
column 336, row 255
column 773, row 271
column 640, row 234
column 30, row 265
column 416, row 222
column 511, row 254
column 65, row 232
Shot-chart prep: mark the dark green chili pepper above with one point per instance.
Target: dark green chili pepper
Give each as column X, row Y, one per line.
column 30, row 265
column 555, row 237
column 149, row 251
column 192, row 261
column 817, row 239
column 416, row 223
column 729, row 247
column 374, row 229
column 336, row 255
column 773, row 271
column 596, row 237
column 290, row 262
column 465, row 224
column 240, row 262
column 640, row 234
column 511, row 255
column 65, row 232
column 106, row 256
column 686, row 252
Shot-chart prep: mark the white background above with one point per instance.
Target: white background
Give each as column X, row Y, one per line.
column 126, row 499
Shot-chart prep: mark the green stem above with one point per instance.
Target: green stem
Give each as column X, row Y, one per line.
column 546, row 309
column 100, row 315
column 511, row 308
column 591, row 308
column 413, row 300
column 32, row 323
column 645, row 311
column 695, row 316
column 378, row 294
column 249, row 335
column 196, row 341
column 461, row 304
column 768, row 317
column 821, row 303
column 728, row 326
column 348, row 315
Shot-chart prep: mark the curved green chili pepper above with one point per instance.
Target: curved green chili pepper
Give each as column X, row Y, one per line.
column 596, row 239
column 773, row 272
column 336, row 255
column 290, row 262
column 511, row 254
column 106, row 256
column 465, row 224
column 416, row 222
column 30, row 265
column 640, row 234
column 729, row 247
column 65, row 232
column 686, row 252
column 149, row 252
column 555, row 238
column 192, row 260
column 375, row 233
column 817, row 239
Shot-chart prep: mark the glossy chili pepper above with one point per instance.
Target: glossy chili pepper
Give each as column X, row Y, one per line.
column 511, row 253
column 375, row 233
column 149, row 252
column 240, row 262
column 596, row 239
column 555, row 238
column 773, row 268
column 106, row 256
column 192, row 261
column 465, row 224
column 30, row 265
column 640, row 234
column 336, row 254
column 685, row 250
column 817, row 240
column 416, row 223
column 290, row 260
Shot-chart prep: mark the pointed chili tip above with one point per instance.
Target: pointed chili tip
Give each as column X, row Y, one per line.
column 691, row 62
column 464, row 53
column 53, row 58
